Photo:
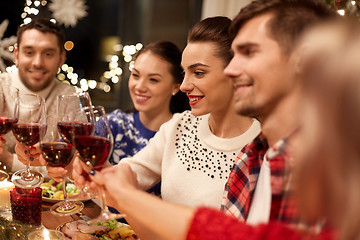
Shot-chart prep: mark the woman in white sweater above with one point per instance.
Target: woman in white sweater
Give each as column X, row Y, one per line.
column 193, row 153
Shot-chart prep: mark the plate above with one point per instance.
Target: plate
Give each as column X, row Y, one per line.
column 51, row 188
column 120, row 227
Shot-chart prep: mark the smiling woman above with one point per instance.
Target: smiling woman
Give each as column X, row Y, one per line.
column 193, row 152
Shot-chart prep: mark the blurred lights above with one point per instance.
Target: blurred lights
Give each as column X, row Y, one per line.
column 115, row 79
column 69, row 45
column 66, row 74
column 138, row 46
column 341, row 12
column 107, row 88
column 92, row 84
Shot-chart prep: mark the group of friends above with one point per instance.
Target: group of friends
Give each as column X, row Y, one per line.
column 265, row 146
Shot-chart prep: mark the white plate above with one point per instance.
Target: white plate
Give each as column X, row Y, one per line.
column 54, row 200
column 59, row 227
column 51, row 200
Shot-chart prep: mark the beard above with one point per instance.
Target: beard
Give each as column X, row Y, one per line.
column 34, row 85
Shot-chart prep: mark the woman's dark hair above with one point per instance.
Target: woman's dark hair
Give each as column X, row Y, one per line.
column 170, row 53
column 43, row 25
column 216, row 30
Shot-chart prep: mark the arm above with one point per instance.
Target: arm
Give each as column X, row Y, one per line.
column 144, row 209
column 172, row 221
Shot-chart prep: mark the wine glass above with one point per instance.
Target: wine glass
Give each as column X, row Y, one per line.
column 31, row 121
column 7, row 106
column 75, row 117
column 94, row 151
column 58, row 153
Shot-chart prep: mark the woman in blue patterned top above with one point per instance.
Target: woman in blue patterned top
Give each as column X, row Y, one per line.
column 154, row 89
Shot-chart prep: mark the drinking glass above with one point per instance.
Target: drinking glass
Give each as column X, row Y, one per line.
column 46, row 234
column 7, row 105
column 75, row 117
column 31, row 121
column 94, row 151
column 58, row 153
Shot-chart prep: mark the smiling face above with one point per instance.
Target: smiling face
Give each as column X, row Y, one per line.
column 261, row 73
column 38, row 58
column 151, row 84
column 205, row 84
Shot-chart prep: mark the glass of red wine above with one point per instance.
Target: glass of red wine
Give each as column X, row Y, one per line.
column 58, row 153
column 31, row 121
column 94, row 151
column 7, row 106
column 75, row 117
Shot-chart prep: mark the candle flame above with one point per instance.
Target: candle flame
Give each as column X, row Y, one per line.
column 46, row 234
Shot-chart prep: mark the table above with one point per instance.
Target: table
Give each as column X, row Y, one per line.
column 51, row 221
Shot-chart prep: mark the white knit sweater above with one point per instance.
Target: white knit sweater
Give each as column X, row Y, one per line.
column 192, row 163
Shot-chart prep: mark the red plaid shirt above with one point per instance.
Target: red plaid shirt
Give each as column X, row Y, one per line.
column 240, row 188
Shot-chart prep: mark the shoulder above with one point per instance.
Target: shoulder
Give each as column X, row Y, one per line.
column 6, row 78
column 119, row 114
column 63, row 88
column 118, row 118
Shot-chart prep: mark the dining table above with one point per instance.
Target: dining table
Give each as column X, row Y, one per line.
column 50, row 221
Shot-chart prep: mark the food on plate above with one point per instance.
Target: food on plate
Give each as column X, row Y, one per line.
column 109, row 230
column 53, row 189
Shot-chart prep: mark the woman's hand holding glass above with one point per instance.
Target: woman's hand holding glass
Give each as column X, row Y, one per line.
column 114, row 192
column 24, row 153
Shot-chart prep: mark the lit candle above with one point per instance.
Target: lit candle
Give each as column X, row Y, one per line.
column 46, row 234
column 5, row 188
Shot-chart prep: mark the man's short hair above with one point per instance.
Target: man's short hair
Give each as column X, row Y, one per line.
column 43, row 25
column 290, row 19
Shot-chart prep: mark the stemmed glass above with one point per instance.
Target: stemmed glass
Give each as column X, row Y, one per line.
column 7, row 106
column 31, row 121
column 75, row 117
column 94, row 151
column 58, row 153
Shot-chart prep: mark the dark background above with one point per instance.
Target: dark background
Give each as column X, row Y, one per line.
column 133, row 21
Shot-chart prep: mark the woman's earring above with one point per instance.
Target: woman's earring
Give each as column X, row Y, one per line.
column 174, row 93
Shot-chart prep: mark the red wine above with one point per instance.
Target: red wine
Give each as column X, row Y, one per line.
column 26, row 205
column 68, row 130
column 6, row 125
column 28, row 134
column 57, row 154
column 93, row 149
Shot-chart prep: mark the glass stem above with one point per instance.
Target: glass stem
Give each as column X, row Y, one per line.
column 27, row 174
column 64, row 190
column 102, row 200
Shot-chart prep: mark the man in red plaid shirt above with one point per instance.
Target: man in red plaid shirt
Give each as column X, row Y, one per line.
column 265, row 36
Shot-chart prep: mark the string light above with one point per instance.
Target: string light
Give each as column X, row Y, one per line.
column 66, row 73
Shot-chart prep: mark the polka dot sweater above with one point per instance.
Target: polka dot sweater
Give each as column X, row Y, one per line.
column 192, row 163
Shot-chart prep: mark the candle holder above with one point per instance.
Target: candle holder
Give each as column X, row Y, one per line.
column 5, row 188
column 46, row 234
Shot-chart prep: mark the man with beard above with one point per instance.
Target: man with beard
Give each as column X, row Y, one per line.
column 38, row 56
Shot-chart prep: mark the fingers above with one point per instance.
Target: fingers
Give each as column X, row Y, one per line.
column 29, row 154
column 57, row 173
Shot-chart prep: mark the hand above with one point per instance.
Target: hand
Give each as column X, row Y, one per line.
column 30, row 154
column 119, row 173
